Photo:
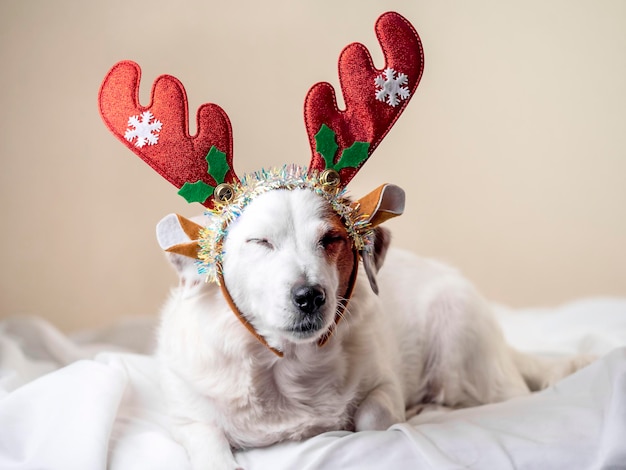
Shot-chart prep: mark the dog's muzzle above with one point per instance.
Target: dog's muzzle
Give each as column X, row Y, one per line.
column 309, row 300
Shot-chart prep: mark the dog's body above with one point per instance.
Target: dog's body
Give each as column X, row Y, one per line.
column 428, row 337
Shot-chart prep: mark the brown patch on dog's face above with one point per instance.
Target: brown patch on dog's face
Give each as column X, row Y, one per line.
column 338, row 249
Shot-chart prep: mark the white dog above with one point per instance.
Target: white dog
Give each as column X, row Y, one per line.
column 335, row 343
column 426, row 338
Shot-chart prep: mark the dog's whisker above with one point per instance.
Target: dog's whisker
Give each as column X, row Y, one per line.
column 343, row 312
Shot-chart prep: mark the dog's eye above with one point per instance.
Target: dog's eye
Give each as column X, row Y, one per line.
column 331, row 239
column 264, row 242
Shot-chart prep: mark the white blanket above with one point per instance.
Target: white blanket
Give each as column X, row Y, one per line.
column 92, row 402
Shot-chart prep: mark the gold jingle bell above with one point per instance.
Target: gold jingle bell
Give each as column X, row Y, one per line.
column 330, row 179
column 224, row 193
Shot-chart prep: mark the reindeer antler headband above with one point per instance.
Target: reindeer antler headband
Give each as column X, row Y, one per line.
column 341, row 141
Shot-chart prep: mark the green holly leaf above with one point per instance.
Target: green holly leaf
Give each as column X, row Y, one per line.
column 353, row 156
column 218, row 166
column 326, row 145
column 196, row 192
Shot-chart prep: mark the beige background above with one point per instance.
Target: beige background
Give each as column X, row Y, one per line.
column 512, row 152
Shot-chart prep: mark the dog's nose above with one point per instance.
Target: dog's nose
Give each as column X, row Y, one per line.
column 307, row 298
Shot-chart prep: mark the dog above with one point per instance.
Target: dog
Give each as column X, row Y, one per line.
column 308, row 322
column 426, row 338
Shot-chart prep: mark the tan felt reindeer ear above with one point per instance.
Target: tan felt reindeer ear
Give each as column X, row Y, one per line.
column 179, row 235
column 382, row 204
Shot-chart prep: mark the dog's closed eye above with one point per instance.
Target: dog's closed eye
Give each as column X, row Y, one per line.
column 264, row 242
column 331, row 240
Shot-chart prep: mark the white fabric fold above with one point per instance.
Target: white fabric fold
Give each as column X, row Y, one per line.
column 92, row 402
column 62, row 420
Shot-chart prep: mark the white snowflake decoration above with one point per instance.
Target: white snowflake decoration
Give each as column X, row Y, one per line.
column 390, row 88
column 146, row 132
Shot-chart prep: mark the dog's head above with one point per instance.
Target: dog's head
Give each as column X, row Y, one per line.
column 289, row 261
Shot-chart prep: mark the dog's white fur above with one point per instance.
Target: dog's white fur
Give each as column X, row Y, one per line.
column 428, row 337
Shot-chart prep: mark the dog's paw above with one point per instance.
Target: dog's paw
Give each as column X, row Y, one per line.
column 206, row 446
column 376, row 412
column 373, row 418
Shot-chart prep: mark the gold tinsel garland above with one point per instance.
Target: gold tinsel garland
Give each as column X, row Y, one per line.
column 210, row 256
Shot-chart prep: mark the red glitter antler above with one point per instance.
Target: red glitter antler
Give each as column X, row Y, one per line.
column 159, row 132
column 374, row 99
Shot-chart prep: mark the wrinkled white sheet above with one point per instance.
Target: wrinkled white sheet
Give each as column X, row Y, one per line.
column 92, row 402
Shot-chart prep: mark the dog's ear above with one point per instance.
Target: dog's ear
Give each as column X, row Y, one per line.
column 382, row 239
column 373, row 261
column 178, row 237
column 380, row 205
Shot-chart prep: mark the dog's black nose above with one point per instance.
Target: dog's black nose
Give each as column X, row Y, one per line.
column 307, row 298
